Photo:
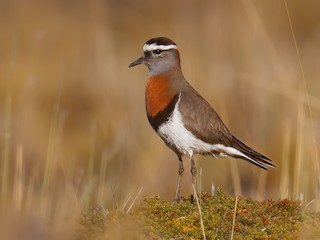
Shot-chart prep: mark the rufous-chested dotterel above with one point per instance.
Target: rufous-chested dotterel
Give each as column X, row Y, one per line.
column 183, row 119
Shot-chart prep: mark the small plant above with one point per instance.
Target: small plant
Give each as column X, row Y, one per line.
column 160, row 219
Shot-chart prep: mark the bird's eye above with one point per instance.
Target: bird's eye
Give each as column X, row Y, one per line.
column 157, row 52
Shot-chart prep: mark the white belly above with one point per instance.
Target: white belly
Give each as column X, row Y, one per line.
column 176, row 135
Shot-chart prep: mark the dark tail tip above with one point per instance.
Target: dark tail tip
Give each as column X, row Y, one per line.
column 252, row 156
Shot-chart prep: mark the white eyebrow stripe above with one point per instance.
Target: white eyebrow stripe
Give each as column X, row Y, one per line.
column 154, row 46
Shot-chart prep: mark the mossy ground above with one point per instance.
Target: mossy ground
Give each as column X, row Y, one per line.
column 159, row 219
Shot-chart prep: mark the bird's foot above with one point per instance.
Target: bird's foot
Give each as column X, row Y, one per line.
column 193, row 199
column 176, row 200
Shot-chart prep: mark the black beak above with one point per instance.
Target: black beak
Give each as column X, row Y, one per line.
column 137, row 62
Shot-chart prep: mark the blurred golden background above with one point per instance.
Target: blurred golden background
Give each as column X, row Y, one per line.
column 73, row 128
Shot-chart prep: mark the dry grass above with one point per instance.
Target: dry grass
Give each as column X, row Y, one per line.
column 72, row 120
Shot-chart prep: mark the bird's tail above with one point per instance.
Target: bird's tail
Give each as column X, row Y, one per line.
column 251, row 156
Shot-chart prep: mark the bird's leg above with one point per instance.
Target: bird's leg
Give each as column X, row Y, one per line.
column 193, row 173
column 180, row 171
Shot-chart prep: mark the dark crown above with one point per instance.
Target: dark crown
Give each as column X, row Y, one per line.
column 161, row 41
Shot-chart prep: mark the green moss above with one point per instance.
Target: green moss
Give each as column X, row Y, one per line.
column 159, row 219
column 92, row 225
column 311, row 223
column 254, row 220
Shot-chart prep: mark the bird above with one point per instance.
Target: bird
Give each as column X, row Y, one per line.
column 183, row 119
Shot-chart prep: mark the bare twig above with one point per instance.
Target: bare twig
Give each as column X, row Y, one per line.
column 125, row 203
column 305, row 89
column 200, row 212
column 134, row 200
column 234, row 217
column 115, row 204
